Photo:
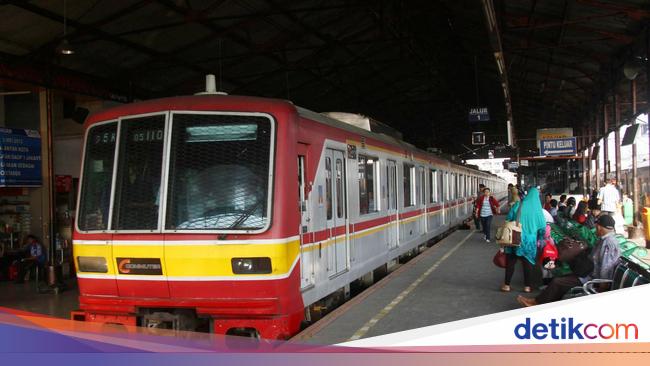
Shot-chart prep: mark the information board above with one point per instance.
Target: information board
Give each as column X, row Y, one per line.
column 558, row 147
column 20, row 158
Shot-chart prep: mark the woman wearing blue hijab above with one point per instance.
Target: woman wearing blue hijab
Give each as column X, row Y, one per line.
column 532, row 221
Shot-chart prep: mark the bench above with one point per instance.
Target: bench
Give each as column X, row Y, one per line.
column 626, row 274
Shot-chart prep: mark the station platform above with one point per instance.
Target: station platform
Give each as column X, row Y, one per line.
column 26, row 297
column 452, row 280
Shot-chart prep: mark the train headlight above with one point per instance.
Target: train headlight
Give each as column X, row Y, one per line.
column 92, row 264
column 258, row 265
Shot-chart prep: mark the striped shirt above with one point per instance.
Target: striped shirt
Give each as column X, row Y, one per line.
column 486, row 209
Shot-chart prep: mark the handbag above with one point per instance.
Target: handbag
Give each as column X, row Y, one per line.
column 509, row 234
column 499, row 259
column 569, row 248
column 581, row 265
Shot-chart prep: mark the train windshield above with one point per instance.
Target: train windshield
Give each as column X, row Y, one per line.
column 219, row 173
column 98, row 172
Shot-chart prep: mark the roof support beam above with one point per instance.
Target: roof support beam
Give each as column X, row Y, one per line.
column 103, row 35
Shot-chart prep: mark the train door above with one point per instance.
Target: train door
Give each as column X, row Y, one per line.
column 337, row 243
column 306, row 254
column 422, row 201
column 393, row 215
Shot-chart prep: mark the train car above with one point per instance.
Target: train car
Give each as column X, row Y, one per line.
column 236, row 215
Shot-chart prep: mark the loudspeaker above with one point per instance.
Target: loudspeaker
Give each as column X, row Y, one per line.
column 77, row 114
column 594, row 152
column 630, row 134
column 80, row 115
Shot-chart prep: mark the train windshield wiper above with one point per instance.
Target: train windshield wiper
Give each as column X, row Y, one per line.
column 244, row 216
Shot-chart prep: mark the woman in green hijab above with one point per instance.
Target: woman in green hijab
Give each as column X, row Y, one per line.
column 532, row 221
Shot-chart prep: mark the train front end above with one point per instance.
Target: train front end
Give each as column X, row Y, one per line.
column 187, row 218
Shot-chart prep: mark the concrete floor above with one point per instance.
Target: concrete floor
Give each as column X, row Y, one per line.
column 25, row 297
column 456, row 281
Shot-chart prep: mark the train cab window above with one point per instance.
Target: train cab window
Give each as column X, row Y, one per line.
column 137, row 186
column 368, row 168
column 97, row 177
column 219, row 172
column 408, row 191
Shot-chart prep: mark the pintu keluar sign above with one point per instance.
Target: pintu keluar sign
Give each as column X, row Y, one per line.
column 558, row 147
column 20, row 158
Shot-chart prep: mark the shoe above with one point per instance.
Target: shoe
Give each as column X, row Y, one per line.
column 505, row 288
column 527, row 289
column 487, row 240
column 526, row 301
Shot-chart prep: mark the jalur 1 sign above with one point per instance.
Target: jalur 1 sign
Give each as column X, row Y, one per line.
column 478, row 114
column 558, row 147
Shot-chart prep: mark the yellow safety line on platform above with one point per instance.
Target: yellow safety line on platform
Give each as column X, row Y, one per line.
column 388, row 308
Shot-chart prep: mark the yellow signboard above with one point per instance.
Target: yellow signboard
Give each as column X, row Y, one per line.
column 553, row 133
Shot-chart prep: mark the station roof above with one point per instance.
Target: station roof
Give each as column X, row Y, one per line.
column 564, row 58
column 409, row 64
column 414, row 64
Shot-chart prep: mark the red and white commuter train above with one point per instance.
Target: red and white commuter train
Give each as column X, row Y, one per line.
column 234, row 214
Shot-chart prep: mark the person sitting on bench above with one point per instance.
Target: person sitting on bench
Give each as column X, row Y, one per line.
column 604, row 256
column 34, row 256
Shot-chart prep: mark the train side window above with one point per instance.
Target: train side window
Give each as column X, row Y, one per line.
column 433, row 186
column 441, row 186
column 328, row 187
column 422, row 182
column 453, row 186
column 408, row 192
column 447, row 187
column 339, row 189
column 368, row 167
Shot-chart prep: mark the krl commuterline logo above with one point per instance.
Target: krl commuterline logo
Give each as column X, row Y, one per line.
column 569, row 328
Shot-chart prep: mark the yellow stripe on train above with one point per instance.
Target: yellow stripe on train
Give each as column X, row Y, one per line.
column 196, row 260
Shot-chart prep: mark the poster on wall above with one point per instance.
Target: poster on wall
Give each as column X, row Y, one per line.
column 20, row 158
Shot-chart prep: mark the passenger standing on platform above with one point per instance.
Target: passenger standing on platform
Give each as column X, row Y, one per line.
column 533, row 224
column 604, row 256
column 570, row 207
column 477, row 219
column 486, row 207
column 521, row 192
column 593, row 199
column 562, row 204
column 513, row 196
column 609, row 198
column 510, row 185
column 547, row 201
column 553, row 210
